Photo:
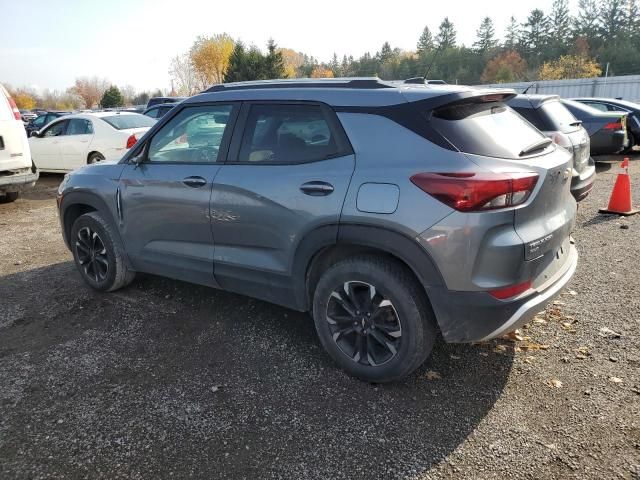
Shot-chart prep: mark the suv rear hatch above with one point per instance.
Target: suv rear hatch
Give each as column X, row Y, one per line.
column 499, row 140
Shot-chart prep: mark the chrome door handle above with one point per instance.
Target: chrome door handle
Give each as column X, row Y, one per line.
column 316, row 188
column 194, row 182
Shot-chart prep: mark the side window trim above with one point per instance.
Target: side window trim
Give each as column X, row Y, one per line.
column 342, row 140
column 143, row 150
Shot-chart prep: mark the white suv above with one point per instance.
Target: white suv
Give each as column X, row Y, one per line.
column 17, row 171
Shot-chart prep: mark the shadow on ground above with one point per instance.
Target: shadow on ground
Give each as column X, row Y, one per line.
column 170, row 379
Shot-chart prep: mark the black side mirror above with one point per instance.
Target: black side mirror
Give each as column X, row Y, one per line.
column 34, row 133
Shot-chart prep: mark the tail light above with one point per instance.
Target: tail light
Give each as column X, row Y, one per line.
column 510, row 291
column 131, row 141
column 476, row 192
column 562, row 140
column 614, row 126
column 14, row 109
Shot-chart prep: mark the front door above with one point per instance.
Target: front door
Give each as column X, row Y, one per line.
column 45, row 148
column 74, row 145
column 287, row 176
column 164, row 200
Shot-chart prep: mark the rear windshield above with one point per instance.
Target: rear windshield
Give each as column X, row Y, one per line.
column 488, row 129
column 123, row 122
column 558, row 117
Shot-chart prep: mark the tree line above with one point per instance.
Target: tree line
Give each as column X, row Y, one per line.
column 602, row 35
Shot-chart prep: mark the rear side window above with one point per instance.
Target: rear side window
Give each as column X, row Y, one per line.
column 533, row 118
column 558, row 117
column 123, row 122
column 290, row 134
column 488, row 129
column 79, row 126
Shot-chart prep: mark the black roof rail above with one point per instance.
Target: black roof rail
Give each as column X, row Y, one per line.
column 357, row 83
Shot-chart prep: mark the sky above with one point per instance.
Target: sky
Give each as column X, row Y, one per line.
column 48, row 44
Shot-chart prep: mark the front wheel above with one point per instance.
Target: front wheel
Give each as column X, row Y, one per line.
column 97, row 253
column 632, row 143
column 9, row 197
column 373, row 318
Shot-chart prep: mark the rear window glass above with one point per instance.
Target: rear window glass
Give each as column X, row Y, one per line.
column 558, row 116
column 123, row 122
column 488, row 129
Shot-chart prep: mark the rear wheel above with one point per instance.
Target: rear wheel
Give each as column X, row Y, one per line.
column 95, row 157
column 97, row 254
column 9, row 197
column 373, row 319
column 632, row 143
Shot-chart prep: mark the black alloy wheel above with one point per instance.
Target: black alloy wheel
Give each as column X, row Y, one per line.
column 92, row 254
column 364, row 324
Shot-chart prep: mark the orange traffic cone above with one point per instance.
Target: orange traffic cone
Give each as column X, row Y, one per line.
column 620, row 201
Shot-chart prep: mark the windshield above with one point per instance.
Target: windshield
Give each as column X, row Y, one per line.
column 489, row 129
column 123, row 122
column 558, row 117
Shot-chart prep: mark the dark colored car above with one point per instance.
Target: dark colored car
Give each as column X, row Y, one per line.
column 617, row 105
column 389, row 212
column 43, row 120
column 156, row 100
column 552, row 118
column 607, row 130
column 158, row 111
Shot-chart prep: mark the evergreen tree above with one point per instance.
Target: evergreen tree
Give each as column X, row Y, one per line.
column 512, row 37
column 585, row 24
column 274, row 64
column 425, row 42
column 112, row 98
column 613, row 16
column 560, row 21
column 335, row 66
column 446, row 37
column 486, row 40
column 386, row 53
column 535, row 36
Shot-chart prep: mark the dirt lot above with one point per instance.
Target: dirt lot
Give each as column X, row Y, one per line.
column 170, row 380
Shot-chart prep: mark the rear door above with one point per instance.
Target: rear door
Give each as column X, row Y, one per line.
column 45, row 148
column 164, row 200
column 75, row 143
column 287, row 175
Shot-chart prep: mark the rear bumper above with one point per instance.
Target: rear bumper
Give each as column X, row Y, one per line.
column 604, row 142
column 477, row 316
column 582, row 184
column 19, row 181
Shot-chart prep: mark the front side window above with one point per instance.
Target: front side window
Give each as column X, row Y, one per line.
column 193, row 136
column 40, row 121
column 55, row 130
column 79, row 126
column 599, row 106
column 287, row 134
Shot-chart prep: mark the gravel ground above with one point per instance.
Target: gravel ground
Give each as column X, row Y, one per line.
column 170, row 380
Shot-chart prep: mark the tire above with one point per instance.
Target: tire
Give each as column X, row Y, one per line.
column 400, row 317
column 95, row 157
column 9, row 197
column 98, row 254
column 632, row 143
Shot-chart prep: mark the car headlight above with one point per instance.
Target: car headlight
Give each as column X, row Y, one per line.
column 63, row 183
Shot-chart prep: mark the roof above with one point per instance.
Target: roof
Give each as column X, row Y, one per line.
column 612, row 101
column 350, row 91
column 531, row 101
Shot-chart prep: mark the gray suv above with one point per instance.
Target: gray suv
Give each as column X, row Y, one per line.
column 393, row 213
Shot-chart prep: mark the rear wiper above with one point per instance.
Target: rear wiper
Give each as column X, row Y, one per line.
column 577, row 123
column 539, row 145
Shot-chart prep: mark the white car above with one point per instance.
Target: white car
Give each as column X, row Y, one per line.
column 75, row 140
column 17, row 171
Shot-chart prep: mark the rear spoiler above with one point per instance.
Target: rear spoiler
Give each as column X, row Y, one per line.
column 476, row 95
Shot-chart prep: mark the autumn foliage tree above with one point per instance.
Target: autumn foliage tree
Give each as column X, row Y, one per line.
column 90, row 90
column 210, row 58
column 569, row 66
column 321, row 72
column 506, row 67
column 23, row 100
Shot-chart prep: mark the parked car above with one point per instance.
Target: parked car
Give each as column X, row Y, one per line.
column 547, row 114
column 159, row 110
column 28, row 115
column 618, row 105
column 17, row 172
column 43, row 119
column 80, row 139
column 455, row 216
column 156, row 100
column 607, row 130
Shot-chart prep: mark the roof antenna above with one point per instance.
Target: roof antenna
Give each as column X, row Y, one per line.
column 527, row 89
column 435, row 57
